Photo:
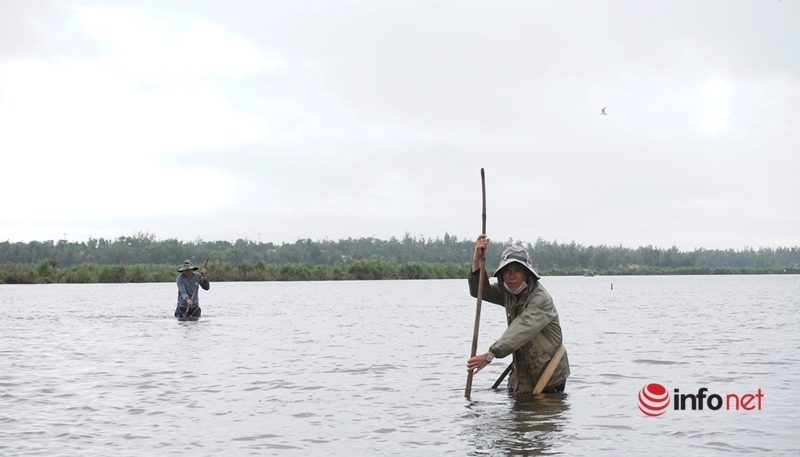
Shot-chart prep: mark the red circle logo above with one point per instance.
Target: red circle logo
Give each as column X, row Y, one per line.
column 653, row 399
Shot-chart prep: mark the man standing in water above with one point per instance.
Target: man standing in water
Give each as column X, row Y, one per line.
column 534, row 332
column 189, row 306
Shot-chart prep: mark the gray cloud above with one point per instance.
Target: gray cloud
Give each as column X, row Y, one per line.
column 382, row 113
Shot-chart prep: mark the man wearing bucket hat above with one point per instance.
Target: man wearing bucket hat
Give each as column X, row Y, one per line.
column 534, row 330
column 189, row 306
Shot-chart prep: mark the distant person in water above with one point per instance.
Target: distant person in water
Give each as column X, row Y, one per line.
column 188, row 306
column 533, row 334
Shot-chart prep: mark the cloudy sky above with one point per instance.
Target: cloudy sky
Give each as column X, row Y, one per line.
column 276, row 121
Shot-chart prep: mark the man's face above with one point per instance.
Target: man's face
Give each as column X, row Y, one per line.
column 514, row 275
column 188, row 273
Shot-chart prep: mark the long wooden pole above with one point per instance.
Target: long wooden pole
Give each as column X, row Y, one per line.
column 194, row 294
column 548, row 372
column 468, row 390
column 503, row 375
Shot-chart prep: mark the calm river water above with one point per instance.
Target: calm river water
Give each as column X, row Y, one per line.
column 378, row 368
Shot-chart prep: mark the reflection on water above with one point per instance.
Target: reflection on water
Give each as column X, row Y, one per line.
column 521, row 425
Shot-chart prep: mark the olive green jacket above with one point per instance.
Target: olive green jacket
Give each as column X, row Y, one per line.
column 533, row 334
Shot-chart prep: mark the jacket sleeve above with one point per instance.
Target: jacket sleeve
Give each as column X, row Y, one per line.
column 491, row 292
column 204, row 283
column 183, row 294
column 539, row 311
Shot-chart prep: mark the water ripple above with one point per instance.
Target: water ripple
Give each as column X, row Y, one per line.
column 379, row 370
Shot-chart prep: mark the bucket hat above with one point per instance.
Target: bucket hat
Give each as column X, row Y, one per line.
column 516, row 254
column 187, row 265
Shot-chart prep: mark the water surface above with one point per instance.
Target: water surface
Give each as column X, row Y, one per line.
column 377, row 368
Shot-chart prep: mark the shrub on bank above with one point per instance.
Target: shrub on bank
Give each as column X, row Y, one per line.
column 48, row 271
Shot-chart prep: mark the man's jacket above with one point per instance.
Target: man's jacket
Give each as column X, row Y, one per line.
column 533, row 334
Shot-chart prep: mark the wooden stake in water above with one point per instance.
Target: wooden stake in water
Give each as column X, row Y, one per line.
column 468, row 390
column 503, row 375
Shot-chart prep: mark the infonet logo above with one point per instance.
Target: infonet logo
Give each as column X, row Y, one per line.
column 654, row 400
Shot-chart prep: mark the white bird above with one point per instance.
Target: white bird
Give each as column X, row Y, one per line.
column 603, row 111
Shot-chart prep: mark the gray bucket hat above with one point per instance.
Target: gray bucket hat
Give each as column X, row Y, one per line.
column 516, row 254
column 187, row 265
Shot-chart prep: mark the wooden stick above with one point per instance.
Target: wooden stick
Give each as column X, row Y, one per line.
column 468, row 390
column 548, row 372
column 503, row 376
column 194, row 294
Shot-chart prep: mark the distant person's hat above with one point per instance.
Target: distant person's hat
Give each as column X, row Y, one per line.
column 516, row 254
column 187, row 265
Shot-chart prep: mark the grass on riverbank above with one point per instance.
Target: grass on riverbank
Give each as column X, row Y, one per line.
column 48, row 271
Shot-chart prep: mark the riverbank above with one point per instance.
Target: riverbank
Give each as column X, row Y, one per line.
column 48, row 272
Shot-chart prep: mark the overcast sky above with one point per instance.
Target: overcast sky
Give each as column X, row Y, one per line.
column 276, row 121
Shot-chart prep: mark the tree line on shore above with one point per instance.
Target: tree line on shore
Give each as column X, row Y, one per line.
column 47, row 271
column 369, row 269
column 143, row 258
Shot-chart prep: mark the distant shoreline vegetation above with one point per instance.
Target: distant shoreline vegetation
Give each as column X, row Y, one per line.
column 48, row 272
column 143, row 258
